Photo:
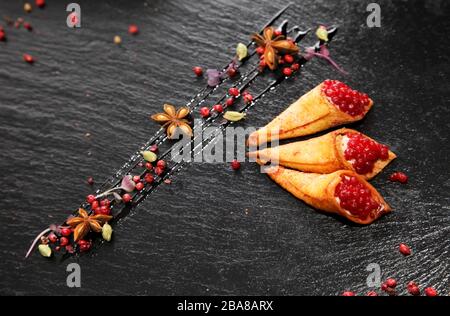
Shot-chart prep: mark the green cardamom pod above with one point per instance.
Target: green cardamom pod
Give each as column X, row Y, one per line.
column 234, row 116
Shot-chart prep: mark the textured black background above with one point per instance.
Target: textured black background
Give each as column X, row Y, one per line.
column 214, row 231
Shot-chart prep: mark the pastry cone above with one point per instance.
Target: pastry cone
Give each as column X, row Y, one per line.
column 314, row 112
column 320, row 191
column 324, row 154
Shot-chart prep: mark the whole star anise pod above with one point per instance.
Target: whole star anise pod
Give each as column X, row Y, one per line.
column 273, row 46
column 173, row 120
column 85, row 223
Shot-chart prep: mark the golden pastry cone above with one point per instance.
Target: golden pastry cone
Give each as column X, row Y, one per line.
column 318, row 190
column 310, row 114
column 324, row 154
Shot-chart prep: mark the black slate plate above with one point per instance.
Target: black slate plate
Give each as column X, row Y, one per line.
column 214, row 231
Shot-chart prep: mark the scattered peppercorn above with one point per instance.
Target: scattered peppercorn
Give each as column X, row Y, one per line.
column 235, row 165
column 154, row 148
column 429, row 291
column 139, row 186
column 126, row 198
column 27, row 26
column 404, row 249
column 391, row 283
column 399, row 177
column 234, row 92
column 218, row 108
column 371, row 293
column 63, row 241
column 40, row 3
column 204, row 112
column 66, row 232
column 198, row 71
column 289, row 59
column 295, row 66
column 90, row 198
column 133, row 29
column 232, row 72
column 90, row 181
column 287, row 71
column 413, row 288
column 28, row 58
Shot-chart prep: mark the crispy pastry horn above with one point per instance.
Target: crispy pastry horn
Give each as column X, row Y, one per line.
column 318, row 190
column 312, row 113
column 324, row 154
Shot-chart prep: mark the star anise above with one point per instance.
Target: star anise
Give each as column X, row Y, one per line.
column 85, row 223
column 173, row 120
column 273, row 46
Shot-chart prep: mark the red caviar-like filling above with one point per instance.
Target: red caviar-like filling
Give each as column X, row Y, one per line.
column 346, row 99
column 355, row 197
column 363, row 152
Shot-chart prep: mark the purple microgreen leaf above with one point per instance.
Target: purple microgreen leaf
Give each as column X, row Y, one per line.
column 128, row 184
column 213, row 77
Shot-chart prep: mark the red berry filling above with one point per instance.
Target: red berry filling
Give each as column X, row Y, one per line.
column 363, row 152
column 346, row 99
column 355, row 197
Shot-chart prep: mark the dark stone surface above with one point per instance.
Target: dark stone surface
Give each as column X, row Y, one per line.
column 214, row 231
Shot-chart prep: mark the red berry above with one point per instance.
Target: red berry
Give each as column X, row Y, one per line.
column 63, row 241
column 126, row 198
column 66, row 232
column 2, row 36
column 27, row 26
column 148, row 178
column 139, row 186
column 148, row 166
column 133, row 29
column 40, row 3
column 399, row 177
column 235, row 165
column 248, row 98
column 289, row 59
column 52, row 238
column 90, row 181
column 218, row 108
column 348, row 293
column 57, row 248
column 95, row 204
column 161, row 164
column 404, row 250
column 372, row 293
column 295, row 66
column 384, row 287
column 413, row 288
column 84, row 245
column 277, row 33
column 136, row 179
column 198, row 71
column 105, row 202
column 154, row 148
column 103, row 210
column 429, row 291
column 204, row 112
column 90, row 198
column 231, row 72
column 392, row 283
column 28, row 58
column 159, row 171
column 229, row 102
column 260, row 50
column 234, row 92
column 287, row 71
